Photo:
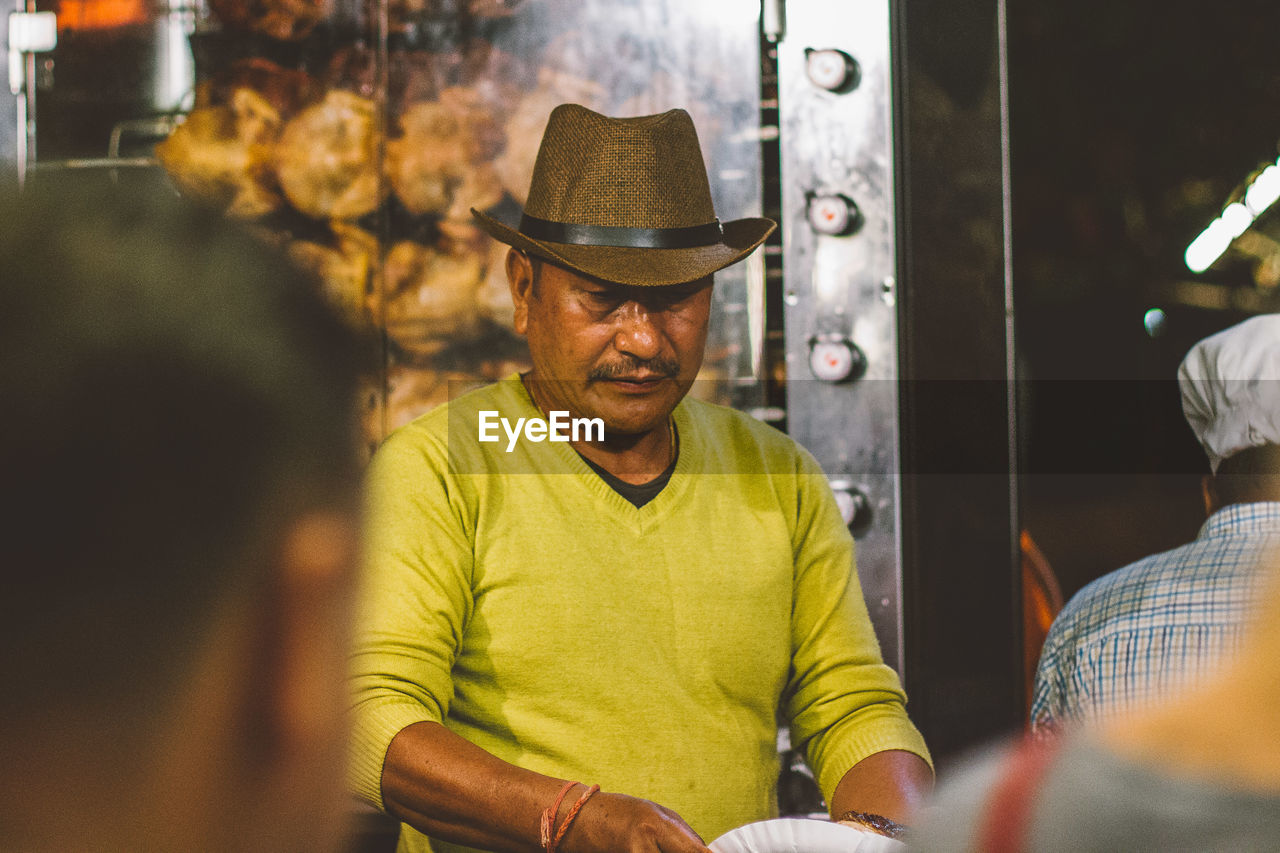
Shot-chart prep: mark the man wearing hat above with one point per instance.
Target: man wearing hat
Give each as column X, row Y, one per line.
column 631, row 611
column 1141, row 633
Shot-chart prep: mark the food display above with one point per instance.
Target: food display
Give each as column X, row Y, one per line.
column 363, row 166
column 223, row 154
column 326, row 158
column 345, row 265
column 431, row 296
column 528, row 118
column 439, row 163
column 287, row 20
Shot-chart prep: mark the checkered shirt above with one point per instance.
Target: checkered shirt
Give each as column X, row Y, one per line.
column 1142, row 633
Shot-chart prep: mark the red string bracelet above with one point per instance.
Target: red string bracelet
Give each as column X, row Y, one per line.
column 568, row 819
column 549, row 818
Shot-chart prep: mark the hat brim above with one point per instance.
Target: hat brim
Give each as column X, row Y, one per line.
column 645, row 267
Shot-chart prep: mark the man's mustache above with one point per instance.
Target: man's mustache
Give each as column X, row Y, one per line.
column 630, row 366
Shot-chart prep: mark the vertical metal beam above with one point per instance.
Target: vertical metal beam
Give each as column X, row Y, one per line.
column 961, row 569
column 839, row 262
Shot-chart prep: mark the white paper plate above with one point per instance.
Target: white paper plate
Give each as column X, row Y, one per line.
column 796, row 835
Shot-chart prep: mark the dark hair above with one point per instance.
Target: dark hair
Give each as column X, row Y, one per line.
column 1249, row 476
column 173, row 394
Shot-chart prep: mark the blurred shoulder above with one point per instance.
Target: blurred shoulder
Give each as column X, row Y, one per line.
column 1122, row 592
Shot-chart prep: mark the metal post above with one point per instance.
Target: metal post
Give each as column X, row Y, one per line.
column 961, row 568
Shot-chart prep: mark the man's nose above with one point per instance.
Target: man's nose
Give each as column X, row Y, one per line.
column 636, row 332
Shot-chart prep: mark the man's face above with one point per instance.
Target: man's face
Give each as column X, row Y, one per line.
column 621, row 353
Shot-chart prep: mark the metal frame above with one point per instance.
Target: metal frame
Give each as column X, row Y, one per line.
column 961, row 559
column 840, row 268
column 916, row 288
column 12, row 106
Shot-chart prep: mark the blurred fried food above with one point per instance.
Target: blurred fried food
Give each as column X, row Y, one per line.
column 222, row 155
column 345, row 270
column 286, row 20
column 431, row 296
column 326, row 160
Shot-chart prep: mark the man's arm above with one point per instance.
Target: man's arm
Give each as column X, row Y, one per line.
column 843, row 703
column 449, row 788
column 891, row 784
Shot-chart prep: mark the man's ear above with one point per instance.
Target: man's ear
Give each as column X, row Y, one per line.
column 520, row 280
column 312, row 614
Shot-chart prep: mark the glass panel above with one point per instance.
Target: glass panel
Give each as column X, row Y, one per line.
column 357, row 135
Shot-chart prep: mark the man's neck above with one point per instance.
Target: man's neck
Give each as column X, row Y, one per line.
column 635, row 458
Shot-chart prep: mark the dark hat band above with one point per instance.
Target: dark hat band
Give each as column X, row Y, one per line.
column 610, row 235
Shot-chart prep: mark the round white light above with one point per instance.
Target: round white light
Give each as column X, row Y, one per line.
column 1153, row 321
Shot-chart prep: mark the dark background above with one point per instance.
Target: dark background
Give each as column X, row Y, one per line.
column 1131, row 124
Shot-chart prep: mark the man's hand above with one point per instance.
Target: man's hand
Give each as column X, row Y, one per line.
column 450, row 788
column 617, row 823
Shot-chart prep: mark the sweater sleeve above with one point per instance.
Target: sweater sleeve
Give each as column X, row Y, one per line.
column 843, row 702
column 415, row 600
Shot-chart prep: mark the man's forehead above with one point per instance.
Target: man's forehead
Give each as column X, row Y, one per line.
column 581, row 279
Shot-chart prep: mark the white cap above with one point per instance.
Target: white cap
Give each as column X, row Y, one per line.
column 1230, row 386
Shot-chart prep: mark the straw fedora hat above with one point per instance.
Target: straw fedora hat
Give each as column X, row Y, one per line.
column 625, row 200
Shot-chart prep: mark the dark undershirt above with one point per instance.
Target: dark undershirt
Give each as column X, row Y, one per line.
column 641, row 494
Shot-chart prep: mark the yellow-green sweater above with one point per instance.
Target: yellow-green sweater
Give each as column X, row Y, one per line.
column 518, row 599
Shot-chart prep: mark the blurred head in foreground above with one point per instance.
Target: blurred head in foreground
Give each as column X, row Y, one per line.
column 177, row 459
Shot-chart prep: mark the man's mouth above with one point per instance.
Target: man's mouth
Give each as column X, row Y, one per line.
column 648, row 377
column 638, row 383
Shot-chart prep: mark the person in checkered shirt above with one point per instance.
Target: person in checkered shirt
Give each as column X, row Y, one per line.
column 1144, row 632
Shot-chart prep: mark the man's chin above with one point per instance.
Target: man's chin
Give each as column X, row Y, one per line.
column 634, row 422
column 628, row 413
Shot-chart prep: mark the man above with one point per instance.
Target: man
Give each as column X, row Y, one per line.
column 177, row 541
column 630, row 611
column 1145, row 631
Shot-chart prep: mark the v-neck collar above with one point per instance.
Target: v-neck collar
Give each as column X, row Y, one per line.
column 639, row 494
column 642, row 518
